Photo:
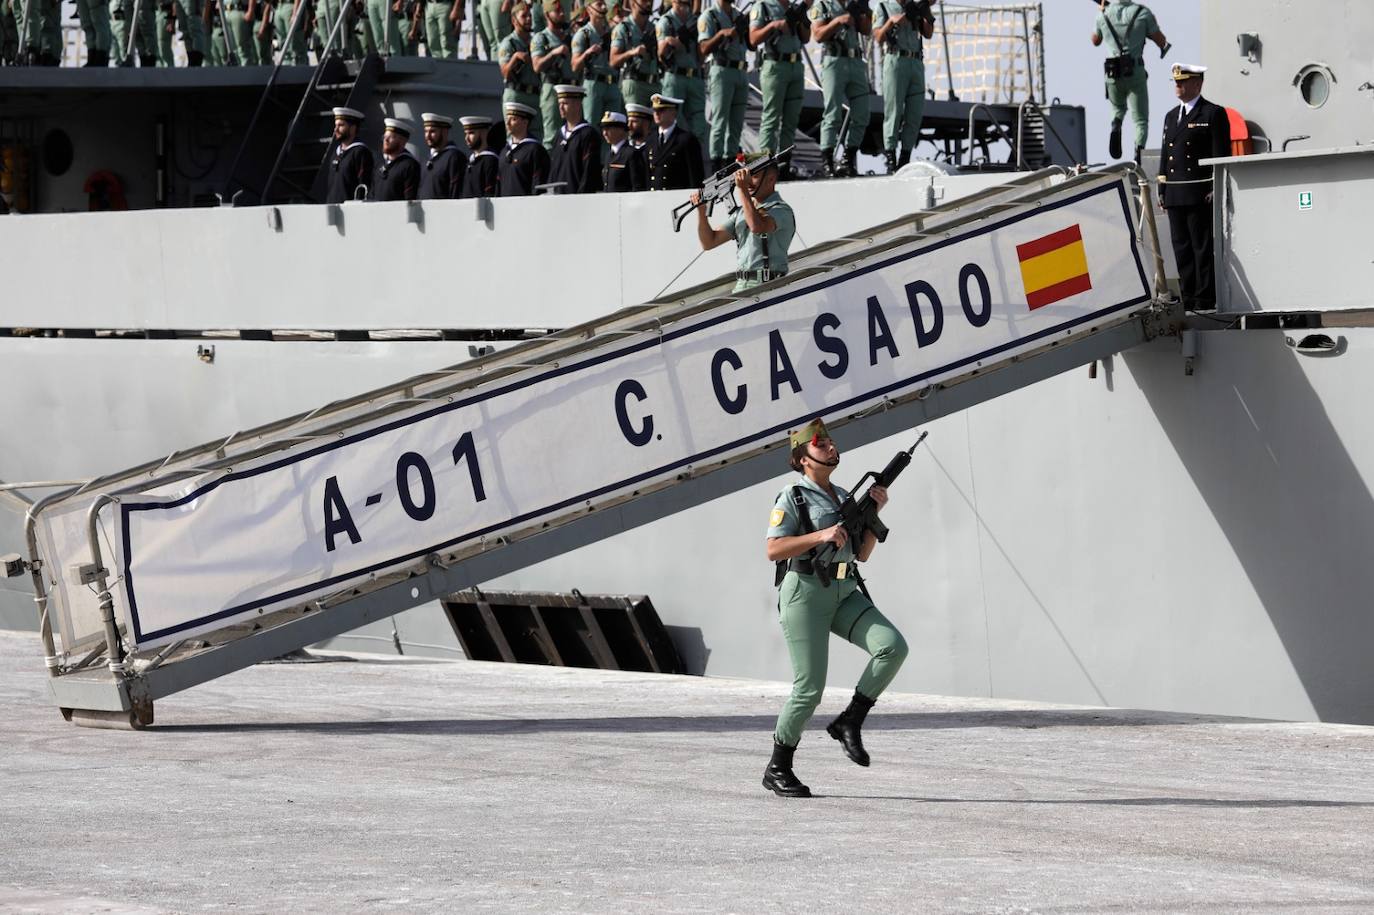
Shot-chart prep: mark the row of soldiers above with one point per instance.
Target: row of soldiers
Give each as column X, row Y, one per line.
column 626, row 155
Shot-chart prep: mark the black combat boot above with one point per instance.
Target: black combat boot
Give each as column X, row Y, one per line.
column 905, row 157
column 1139, row 153
column 828, row 162
column 195, row 59
column 1114, row 141
column 779, row 777
column 845, row 728
column 851, row 161
column 890, row 159
column 147, row 60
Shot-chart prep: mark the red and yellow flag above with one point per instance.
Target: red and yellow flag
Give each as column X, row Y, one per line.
column 1054, row 267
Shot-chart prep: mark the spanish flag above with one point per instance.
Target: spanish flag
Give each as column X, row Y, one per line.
column 1054, row 267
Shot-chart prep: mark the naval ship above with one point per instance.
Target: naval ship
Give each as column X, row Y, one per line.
column 1168, row 511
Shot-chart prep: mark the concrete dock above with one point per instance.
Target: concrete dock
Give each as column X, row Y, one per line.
column 373, row 784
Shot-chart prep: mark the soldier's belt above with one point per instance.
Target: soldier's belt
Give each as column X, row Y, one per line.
column 732, row 64
column 918, row 55
column 844, row 52
column 783, row 58
column 553, row 79
column 1163, row 180
column 839, row 571
column 523, row 88
column 761, row 276
column 685, row 71
column 608, row 78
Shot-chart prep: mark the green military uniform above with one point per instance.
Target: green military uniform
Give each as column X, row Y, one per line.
column 388, row 31
column 145, row 32
column 95, row 23
column 266, row 54
column 904, row 80
column 186, row 14
column 781, row 80
column 844, row 79
column 682, row 72
column 441, row 33
column 293, row 51
column 9, row 34
column 327, row 14
column 809, row 612
column 603, row 94
column 728, row 90
column 494, row 22
column 1134, row 24
column 556, row 72
column 523, row 86
column 540, row 19
column 759, row 258
column 639, row 74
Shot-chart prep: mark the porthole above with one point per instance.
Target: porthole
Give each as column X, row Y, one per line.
column 57, row 152
column 1314, row 85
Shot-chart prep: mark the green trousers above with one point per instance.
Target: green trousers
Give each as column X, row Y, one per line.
column 9, row 34
column 601, row 97
column 904, row 100
column 548, row 106
column 692, row 91
column 844, row 81
column 95, row 22
column 245, row 43
column 809, row 613
column 782, row 84
column 293, row 51
column 1131, row 92
column 639, row 91
column 386, row 28
column 327, row 13
column 728, row 93
column 121, row 22
column 441, row 35
column 494, row 24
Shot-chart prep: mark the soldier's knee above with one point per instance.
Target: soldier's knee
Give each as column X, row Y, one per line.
column 894, row 650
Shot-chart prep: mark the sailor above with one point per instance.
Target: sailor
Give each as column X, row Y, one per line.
column 779, row 37
column 806, row 520
column 762, row 228
column 591, row 58
column 551, row 53
column 904, row 74
column 441, row 178
column 673, row 154
column 517, row 66
column 483, row 175
column 576, row 157
column 524, row 161
column 1125, row 25
column 640, row 120
column 350, row 171
column 625, row 167
column 634, row 53
column 728, row 88
column 398, row 174
column 1194, row 130
column 844, row 79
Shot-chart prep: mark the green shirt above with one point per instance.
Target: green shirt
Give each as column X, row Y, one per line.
column 749, row 254
column 714, row 21
column 1119, row 14
column 687, row 57
column 629, row 35
column 766, row 11
column 901, row 37
column 823, row 511
column 559, row 70
column 598, row 64
column 523, row 78
column 825, row 10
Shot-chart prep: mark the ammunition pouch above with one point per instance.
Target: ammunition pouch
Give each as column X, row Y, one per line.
column 1121, row 67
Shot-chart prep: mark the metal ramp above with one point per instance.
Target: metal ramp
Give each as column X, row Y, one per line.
column 170, row 574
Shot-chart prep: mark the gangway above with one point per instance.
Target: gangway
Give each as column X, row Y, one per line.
column 178, row 571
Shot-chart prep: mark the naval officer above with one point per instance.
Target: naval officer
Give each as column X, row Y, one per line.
column 1194, row 130
column 398, row 175
column 577, row 152
column 625, row 168
column 524, row 161
column 484, row 166
column 442, row 175
column 351, row 168
column 762, row 228
column 674, row 154
column 804, row 534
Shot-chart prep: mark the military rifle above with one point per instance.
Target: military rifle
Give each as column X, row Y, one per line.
column 860, row 515
column 795, row 13
column 720, row 187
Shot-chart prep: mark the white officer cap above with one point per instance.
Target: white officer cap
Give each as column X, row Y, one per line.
column 348, row 114
column 635, row 108
column 520, row 109
column 399, row 125
column 614, row 119
column 665, row 101
column 569, row 89
column 475, row 120
column 1187, row 71
column 431, row 118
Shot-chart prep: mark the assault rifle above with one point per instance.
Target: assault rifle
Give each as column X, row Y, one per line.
column 796, row 15
column 860, row 515
column 917, row 11
column 720, row 187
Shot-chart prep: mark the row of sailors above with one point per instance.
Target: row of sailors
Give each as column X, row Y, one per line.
column 668, row 157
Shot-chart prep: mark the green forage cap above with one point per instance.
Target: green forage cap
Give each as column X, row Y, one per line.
column 811, row 432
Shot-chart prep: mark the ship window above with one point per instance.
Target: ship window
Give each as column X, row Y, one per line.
column 57, row 152
column 1314, row 82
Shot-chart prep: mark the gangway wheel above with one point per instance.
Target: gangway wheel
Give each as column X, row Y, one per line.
column 134, row 719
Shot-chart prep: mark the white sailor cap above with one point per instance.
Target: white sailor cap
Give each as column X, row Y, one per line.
column 665, row 101
column 1187, row 71
column 614, row 119
column 399, row 125
column 475, row 120
column 569, row 89
column 520, row 109
column 348, row 114
column 442, row 120
column 633, row 108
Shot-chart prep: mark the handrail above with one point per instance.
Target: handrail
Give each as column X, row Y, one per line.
column 1006, row 134
column 1044, row 119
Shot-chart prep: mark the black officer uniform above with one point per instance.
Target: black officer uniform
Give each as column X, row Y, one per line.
column 524, row 166
column 398, row 178
column 577, row 160
column 674, row 162
column 441, row 178
column 1205, row 133
column 483, row 175
column 626, row 169
column 350, row 168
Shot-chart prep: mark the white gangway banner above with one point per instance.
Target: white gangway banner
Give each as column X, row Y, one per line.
column 212, row 551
